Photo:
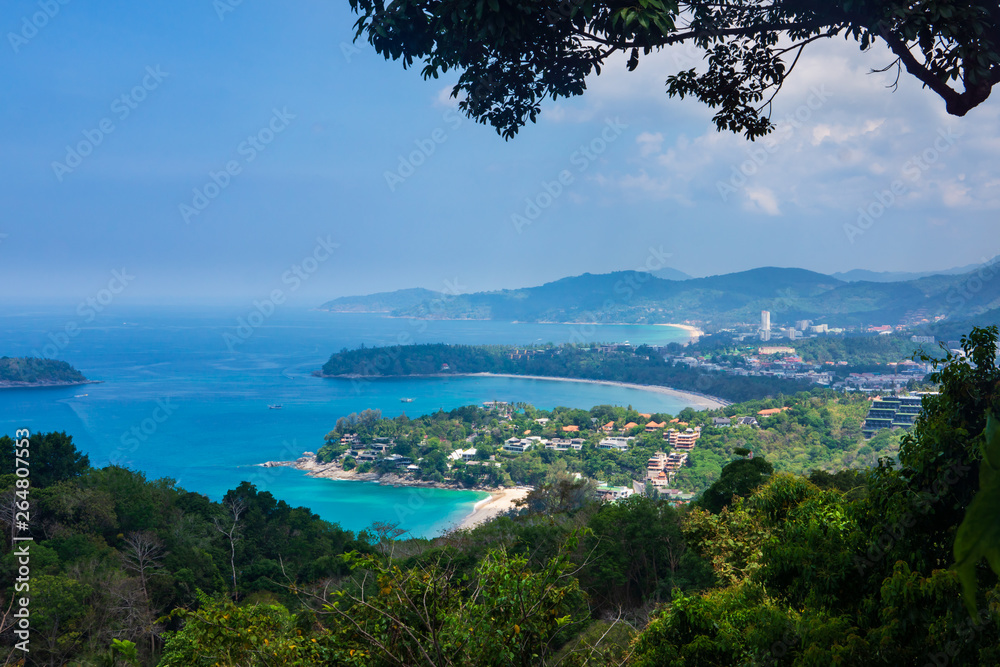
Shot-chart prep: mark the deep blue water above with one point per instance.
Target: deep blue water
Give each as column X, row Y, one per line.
column 178, row 401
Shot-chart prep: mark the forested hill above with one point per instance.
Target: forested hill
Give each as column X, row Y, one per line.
column 29, row 371
column 639, row 365
column 719, row 301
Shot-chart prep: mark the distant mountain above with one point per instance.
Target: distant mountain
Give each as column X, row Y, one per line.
column 383, row 302
column 715, row 301
column 668, row 273
column 857, row 275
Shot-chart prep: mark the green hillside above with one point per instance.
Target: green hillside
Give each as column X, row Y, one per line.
column 716, row 301
column 29, row 371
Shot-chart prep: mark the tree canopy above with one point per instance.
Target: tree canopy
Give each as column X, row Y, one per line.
column 512, row 54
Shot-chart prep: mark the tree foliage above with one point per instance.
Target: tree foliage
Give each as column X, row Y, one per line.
column 512, row 54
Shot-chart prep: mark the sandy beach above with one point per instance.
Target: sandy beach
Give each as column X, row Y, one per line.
column 697, row 401
column 489, row 508
column 695, row 332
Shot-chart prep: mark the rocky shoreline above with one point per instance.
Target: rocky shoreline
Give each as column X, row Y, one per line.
column 308, row 464
column 500, row 501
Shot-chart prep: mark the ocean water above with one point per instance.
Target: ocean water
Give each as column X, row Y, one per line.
column 185, row 395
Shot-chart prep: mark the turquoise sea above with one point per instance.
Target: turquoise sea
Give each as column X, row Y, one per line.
column 178, row 401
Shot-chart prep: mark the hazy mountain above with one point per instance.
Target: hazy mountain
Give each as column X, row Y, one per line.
column 715, row 301
column 668, row 273
column 382, row 302
column 857, row 275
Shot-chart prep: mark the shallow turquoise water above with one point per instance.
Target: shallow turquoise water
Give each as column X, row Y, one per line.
column 177, row 402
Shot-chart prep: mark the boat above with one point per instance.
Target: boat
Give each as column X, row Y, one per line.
column 406, row 400
column 275, row 406
column 80, row 395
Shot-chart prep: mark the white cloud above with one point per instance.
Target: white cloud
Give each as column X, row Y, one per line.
column 649, row 142
column 762, row 199
column 444, row 100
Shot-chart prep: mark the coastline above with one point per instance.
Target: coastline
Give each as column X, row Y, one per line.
column 10, row 384
column 308, row 464
column 695, row 332
column 500, row 501
column 699, row 401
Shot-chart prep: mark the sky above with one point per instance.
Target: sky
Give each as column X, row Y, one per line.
column 229, row 150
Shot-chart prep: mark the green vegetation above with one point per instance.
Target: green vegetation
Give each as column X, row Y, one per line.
column 820, row 431
column 857, row 350
column 893, row 565
column 113, row 552
column 521, row 57
column 29, row 371
column 641, row 365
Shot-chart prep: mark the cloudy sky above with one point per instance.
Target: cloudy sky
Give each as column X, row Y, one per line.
column 222, row 150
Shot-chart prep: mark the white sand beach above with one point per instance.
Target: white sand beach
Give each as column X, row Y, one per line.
column 697, row 401
column 498, row 503
column 695, row 332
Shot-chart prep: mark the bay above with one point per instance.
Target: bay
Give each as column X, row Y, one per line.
column 185, row 395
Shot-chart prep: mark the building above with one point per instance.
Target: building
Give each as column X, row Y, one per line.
column 674, row 462
column 775, row 349
column 655, row 426
column 609, row 427
column 892, row 412
column 618, row 444
column 520, row 445
column 613, row 493
column 922, row 339
column 683, row 440
column 721, row 421
column 565, row 444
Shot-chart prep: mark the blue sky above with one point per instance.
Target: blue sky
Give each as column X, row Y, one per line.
column 337, row 173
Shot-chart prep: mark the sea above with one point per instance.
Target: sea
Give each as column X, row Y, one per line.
column 185, row 394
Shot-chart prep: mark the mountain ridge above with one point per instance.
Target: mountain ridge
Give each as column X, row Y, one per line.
column 718, row 301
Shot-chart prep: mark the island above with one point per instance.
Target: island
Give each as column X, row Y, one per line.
column 27, row 372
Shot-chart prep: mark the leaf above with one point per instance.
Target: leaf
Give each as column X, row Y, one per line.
column 979, row 535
